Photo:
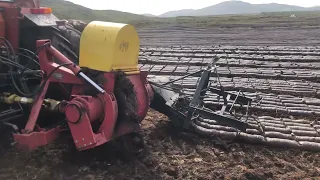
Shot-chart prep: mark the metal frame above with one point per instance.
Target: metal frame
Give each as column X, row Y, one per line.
column 195, row 109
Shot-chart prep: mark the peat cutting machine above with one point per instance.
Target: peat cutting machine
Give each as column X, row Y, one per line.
column 54, row 77
column 92, row 92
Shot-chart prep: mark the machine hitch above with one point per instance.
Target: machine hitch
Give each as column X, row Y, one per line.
column 81, row 109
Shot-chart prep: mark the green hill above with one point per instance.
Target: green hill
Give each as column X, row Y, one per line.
column 68, row 10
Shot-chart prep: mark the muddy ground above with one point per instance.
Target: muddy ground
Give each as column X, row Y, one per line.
column 168, row 154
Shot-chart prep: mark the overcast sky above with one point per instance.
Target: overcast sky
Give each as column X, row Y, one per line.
column 158, row 7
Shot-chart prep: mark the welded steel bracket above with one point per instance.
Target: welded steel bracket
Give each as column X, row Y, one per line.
column 196, row 107
column 185, row 109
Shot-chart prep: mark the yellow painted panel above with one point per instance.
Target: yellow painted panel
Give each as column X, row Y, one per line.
column 107, row 46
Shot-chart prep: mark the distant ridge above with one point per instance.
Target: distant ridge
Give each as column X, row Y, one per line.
column 236, row 7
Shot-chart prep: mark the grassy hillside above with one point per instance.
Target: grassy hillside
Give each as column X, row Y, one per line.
column 67, row 10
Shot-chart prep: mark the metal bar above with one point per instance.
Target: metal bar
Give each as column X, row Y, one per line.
column 216, row 71
column 92, row 82
column 225, row 104
column 9, row 112
column 201, row 86
column 247, row 111
column 49, row 104
column 241, row 99
column 6, row 119
column 234, row 101
column 38, row 101
column 223, row 120
column 188, row 75
column 64, row 60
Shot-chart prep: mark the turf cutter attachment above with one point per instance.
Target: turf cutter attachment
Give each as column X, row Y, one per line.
column 187, row 109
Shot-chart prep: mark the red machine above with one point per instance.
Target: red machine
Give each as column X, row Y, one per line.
column 82, row 110
column 102, row 94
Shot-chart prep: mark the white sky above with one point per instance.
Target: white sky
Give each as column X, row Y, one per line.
column 158, row 7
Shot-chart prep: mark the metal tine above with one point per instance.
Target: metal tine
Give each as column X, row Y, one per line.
column 247, row 111
column 234, row 101
column 225, row 104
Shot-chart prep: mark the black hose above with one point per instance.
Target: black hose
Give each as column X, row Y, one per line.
column 34, row 55
column 13, row 61
column 27, row 56
column 43, row 83
column 7, row 43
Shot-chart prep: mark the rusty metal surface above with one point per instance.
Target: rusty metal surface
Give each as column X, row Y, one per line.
column 283, row 81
